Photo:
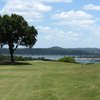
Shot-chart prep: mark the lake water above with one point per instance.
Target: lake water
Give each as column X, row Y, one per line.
column 55, row 57
column 88, row 60
column 52, row 57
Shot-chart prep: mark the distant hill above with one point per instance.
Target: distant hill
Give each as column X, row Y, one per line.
column 54, row 51
column 56, row 48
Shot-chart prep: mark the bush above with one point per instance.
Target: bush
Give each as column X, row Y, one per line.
column 21, row 58
column 16, row 58
column 67, row 59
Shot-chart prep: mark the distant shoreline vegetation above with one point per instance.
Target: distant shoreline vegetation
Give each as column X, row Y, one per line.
column 79, row 52
column 53, row 54
column 6, row 58
column 21, row 58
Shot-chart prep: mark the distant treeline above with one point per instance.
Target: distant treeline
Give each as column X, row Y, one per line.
column 55, row 51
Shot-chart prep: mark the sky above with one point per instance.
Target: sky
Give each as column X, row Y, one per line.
column 64, row 23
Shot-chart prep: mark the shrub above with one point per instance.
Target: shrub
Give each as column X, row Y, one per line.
column 67, row 59
column 17, row 58
column 20, row 58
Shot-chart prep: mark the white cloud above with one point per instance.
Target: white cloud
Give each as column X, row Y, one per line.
column 72, row 14
column 58, row 35
column 72, row 18
column 52, row 36
column 30, row 10
column 79, row 21
column 91, row 7
column 41, row 8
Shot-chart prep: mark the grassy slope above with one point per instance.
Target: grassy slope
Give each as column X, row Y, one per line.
column 50, row 81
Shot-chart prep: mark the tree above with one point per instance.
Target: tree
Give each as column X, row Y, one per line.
column 15, row 31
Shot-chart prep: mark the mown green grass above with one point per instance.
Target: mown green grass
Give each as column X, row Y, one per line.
column 50, row 81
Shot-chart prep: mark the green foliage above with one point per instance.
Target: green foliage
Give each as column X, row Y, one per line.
column 67, row 59
column 15, row 31
column 17, row 58
column 20, row 58
column 2, row 58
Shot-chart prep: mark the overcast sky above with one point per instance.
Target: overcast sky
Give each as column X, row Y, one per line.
column 65, row 23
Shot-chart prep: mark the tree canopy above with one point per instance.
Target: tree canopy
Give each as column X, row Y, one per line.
column 15, row 31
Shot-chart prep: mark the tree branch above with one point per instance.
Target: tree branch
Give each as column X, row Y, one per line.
column 16, row 46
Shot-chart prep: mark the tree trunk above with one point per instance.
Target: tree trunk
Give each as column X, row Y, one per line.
column 11, row 54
